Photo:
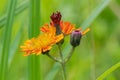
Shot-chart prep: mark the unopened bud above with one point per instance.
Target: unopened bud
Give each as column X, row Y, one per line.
column 56, row 17
column 75, row 38
column 55, row 21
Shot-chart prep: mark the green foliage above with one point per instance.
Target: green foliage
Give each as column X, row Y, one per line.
column 98, row 51
column 7, row 39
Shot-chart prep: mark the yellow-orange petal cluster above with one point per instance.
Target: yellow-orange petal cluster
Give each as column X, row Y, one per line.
column 42, row 43
column 67, row 27
column 48, row 29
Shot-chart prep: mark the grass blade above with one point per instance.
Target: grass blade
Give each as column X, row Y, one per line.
column 94, row 14
column 18, row 10
column 33, row 60
column 6, row 39
column 53, row 71
column 110, row 70
column 14, row 45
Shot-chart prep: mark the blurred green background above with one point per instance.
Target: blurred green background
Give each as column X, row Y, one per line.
column 98, row 51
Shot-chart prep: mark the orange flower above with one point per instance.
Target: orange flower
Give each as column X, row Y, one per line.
column 48, row 29
column 85, row 31
column 66, row 27
column 42, row 43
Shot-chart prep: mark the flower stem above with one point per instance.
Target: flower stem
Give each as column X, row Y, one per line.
column 69, row 55
column 62, row 62
column 53, row 58
column 64, row 71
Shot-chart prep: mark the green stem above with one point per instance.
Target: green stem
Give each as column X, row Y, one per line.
column 107, row 72
column 33, row 60
column 53, row 58
column 62, row 62
column 6, row 39
column 69, row 55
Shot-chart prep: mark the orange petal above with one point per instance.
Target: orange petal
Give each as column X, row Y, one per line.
column 67, row 27
column 84, row 32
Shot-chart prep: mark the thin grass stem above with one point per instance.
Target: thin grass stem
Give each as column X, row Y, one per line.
column 7, row 39
column 33, row 60
column 21, row 7
column 107, row 72
column 69, row 55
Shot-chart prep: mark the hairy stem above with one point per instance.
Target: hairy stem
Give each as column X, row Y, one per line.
column 69, row 55
column 62, row 62
column 53, row 58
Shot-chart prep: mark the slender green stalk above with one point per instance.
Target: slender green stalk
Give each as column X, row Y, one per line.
column 15, row 44
column 62, row 62
column 94, row 14
column 53, row 58
column 33, row 60
column 21, row 7
column 69, row 55
column 7, row 39
column 107, row 72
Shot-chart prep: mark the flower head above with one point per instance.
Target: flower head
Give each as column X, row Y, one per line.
column 55, row 21
column 56, row 17
column 42, row 43
column 48, row 29
column 76, row 36
column 66, row 27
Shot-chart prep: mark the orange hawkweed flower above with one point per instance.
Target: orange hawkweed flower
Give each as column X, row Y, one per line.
column 66, row 27
column 42, row 43
column 48, row 29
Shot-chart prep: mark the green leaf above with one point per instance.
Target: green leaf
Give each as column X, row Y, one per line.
column 7, row 39
column 107, row 72
column 33, row 60
column 18, row 10
column 94, row 14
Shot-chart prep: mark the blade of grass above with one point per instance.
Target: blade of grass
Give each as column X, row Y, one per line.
column 94, row 14
column 14, row 45
column 18, row 10
column 6, row 39
column 53, row 71
column 87, row 23
column 107, row 72
column 33, row 60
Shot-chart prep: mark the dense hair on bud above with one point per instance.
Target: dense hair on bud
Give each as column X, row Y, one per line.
column 75, row 38
column 56, row 17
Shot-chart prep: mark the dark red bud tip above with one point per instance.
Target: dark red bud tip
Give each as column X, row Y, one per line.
column 75, row 38
column 56, row 17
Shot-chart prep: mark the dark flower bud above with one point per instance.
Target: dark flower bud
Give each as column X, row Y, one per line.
column 56, row 17
column 55, row 21
column 75, row 38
